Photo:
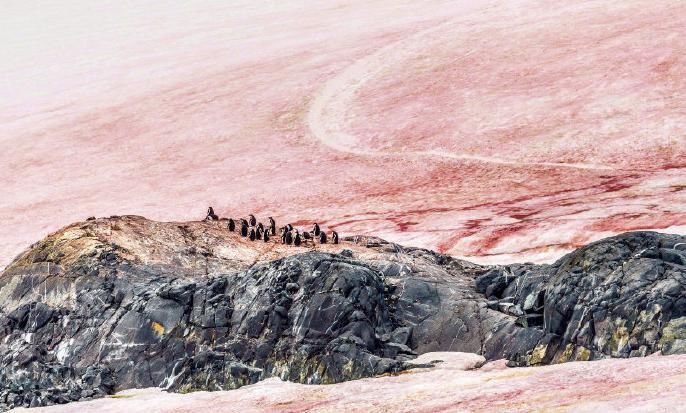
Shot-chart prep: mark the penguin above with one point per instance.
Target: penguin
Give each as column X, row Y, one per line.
column 258, row 232
column 283, row 235
column 307, row 235
column 211, row 216
column 265, row 236
column 316, row 230
column 251, row 220
column 289, row 227
column 289, row 238
column 260, row 227
column 322, row 237
column 252, row 234
column 297, row 240
column 334, row 237
column 244, row 229
column 272, row 225
column 232, row 225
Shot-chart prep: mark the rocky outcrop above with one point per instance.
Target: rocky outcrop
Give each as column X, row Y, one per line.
column 623, row 296
column 124, row 302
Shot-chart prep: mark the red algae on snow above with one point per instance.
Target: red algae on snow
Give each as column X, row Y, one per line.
column 494, row 130
column 457, row 384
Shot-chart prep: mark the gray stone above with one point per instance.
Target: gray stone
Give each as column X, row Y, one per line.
column 322, row 318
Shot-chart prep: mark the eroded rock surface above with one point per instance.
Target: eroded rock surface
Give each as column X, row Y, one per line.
column 124, row 302
column 619, row 297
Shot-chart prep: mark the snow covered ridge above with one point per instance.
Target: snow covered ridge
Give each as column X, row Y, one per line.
column 497, row 130
column 119, row 303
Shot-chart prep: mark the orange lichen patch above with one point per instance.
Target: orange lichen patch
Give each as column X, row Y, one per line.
column 64, row 247
column 157, row 328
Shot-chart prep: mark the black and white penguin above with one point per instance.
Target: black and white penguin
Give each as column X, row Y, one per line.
column 322, row 237
column 211, row 216
column 244, row 228
column 252, row 234
column 232, row 225
column 272, row 226
column 334, row 237
column 297, row 240
column 315, row 229
column 251, row 220
column 265, row 236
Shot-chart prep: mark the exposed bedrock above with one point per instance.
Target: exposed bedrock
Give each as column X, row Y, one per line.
column 124, row 302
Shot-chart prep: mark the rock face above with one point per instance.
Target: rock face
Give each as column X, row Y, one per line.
column 620, row 297
column 124, row 302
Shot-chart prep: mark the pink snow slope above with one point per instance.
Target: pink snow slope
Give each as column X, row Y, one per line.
column 652, row 384
column 496, row 130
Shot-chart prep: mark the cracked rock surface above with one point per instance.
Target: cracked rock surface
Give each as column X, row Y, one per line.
column 123, row 302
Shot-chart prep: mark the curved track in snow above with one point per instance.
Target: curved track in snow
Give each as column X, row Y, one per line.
column 326, row 117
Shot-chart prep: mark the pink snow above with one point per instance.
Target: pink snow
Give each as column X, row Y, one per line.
column 495, row 130
column 651, row 384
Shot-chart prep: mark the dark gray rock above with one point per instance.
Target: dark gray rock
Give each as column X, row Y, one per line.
column 104, row 324
column 619, row 297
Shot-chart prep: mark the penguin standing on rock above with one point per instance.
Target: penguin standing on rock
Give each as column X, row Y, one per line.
column 265, row 236
column 272, row 226
column 316, row 230
column 252, row 234
column 260, row 227
column 251, row 220
column 289, row 238
column 244, row 228
column 307, row 235
column 334, row 237
column 258, row 232
column 211, row 216
column 232, row 225
column 283, row 235
column 322, row 237
column 297, row 240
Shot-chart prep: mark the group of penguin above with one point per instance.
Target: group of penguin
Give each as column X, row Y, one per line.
column 254, row 230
